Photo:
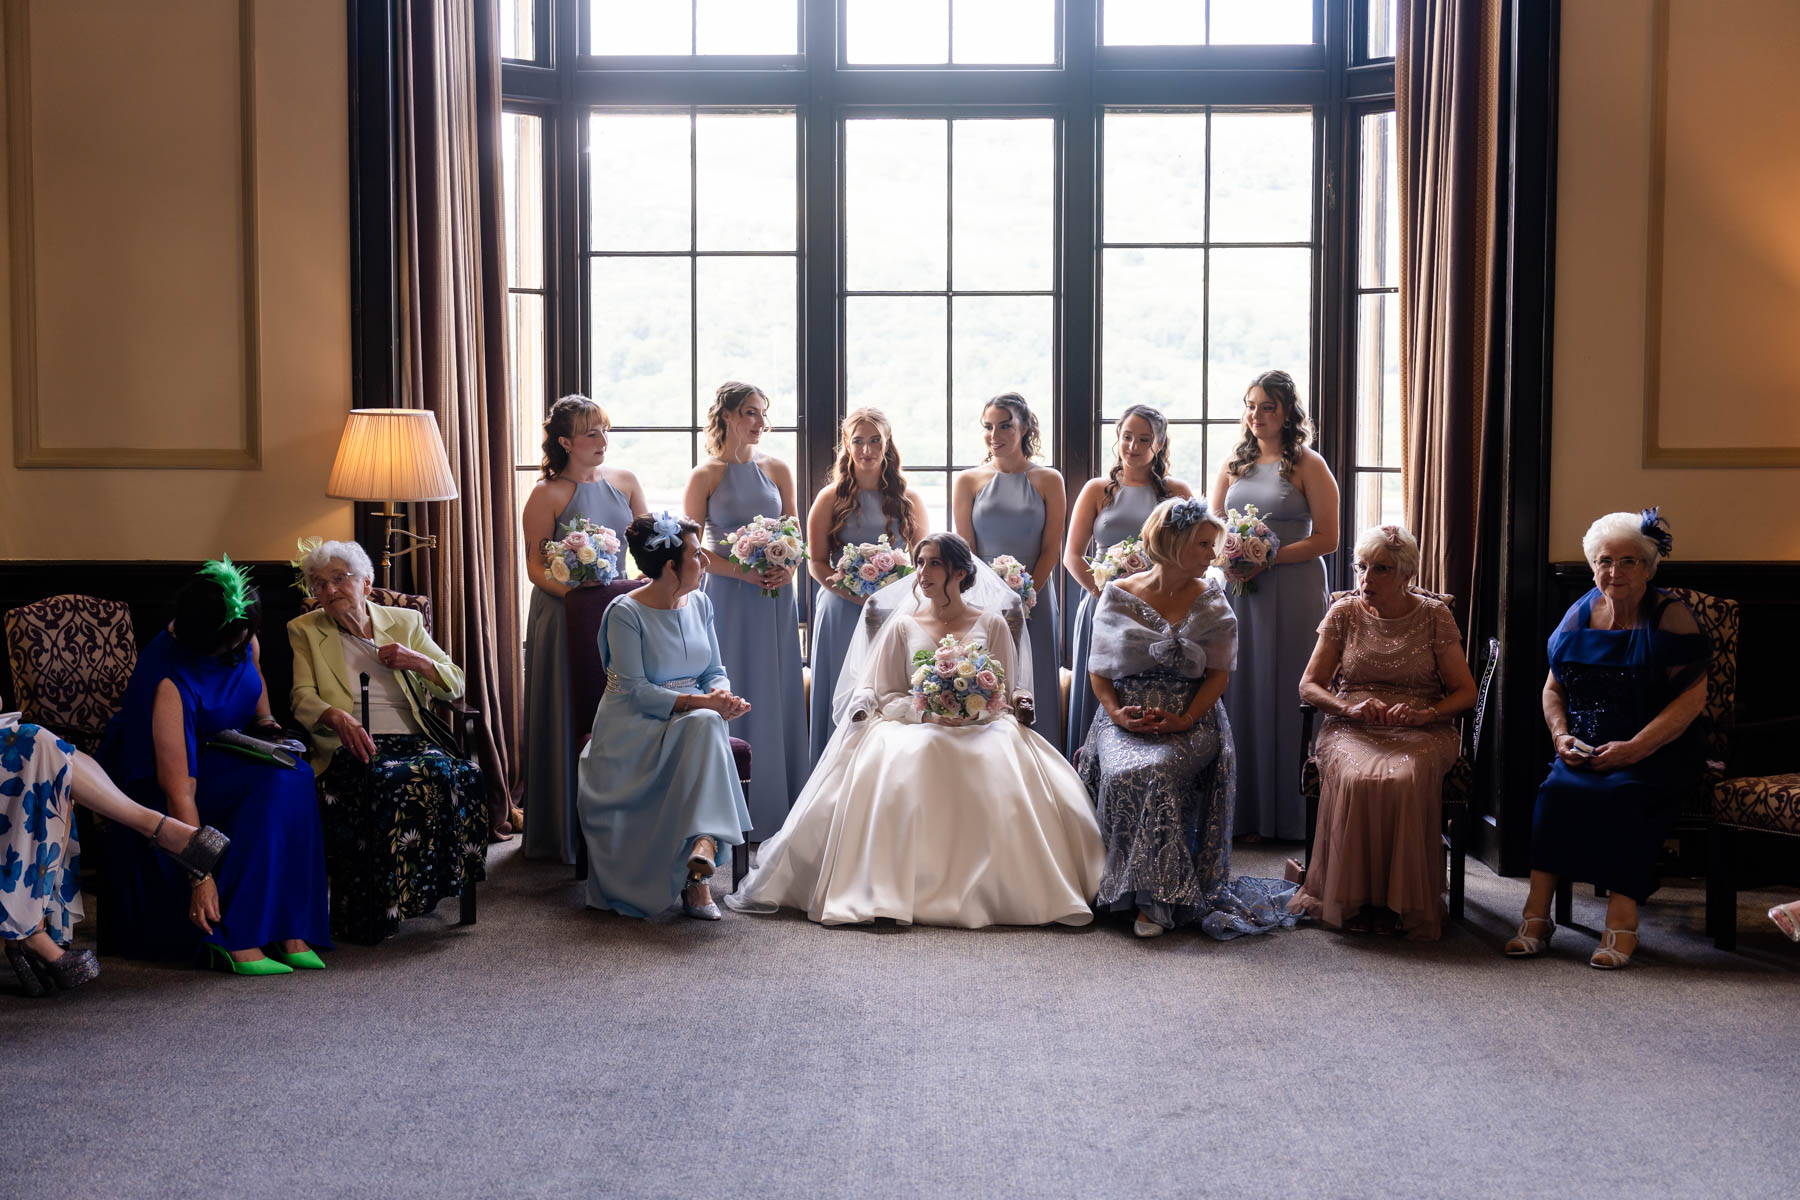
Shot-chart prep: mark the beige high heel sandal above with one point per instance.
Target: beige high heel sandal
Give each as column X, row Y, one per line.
column 1609, row 957
column 1524, row 945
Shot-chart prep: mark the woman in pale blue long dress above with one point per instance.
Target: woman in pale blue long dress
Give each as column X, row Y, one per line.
column 1279, row 615
column 657, row 781
column 574, row 445
column 835, row 616
column 759, row 635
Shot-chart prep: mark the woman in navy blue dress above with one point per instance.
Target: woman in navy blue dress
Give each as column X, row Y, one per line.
column 1627, row 680
column 265, row 910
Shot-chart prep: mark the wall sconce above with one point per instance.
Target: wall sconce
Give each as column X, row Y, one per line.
column 388, row 455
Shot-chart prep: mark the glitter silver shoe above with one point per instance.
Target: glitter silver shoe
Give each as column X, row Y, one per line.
column 700, row 912
column 40, row 978
column 201, row 854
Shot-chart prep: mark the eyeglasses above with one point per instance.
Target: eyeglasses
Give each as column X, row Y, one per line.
column 1607, row 562
column 323, row 583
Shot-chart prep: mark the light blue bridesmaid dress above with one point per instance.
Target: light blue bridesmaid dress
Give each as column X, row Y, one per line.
column 1278, row 624
column 835, row 616
column 1009, row 519
column 1123, row 518
column 652, row 779
column 551, row 827
column 759, row 640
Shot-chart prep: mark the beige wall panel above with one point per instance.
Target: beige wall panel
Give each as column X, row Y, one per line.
column 1603, row 217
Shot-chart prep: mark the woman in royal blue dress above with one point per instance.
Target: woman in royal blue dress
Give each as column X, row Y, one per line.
column 266, row 909
column 660, row 797
column 1627, row 682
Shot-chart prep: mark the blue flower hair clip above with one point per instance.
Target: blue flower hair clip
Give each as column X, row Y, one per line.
column 1186, row 512
column 1656, row 528
column 668, row 531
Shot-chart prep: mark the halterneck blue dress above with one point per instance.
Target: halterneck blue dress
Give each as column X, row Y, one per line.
column 549, row 744
column 759, row 642
column 835, row 616
column 1008, row 518
column 272, row 879
column 1123, row 518
column 1278, row 624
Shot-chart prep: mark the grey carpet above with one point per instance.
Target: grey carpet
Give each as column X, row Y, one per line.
column 555, row 1051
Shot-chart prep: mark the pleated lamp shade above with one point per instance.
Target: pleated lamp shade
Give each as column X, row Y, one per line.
column 391, row 454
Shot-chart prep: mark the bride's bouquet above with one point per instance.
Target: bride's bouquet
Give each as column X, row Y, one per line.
column 1248, row 546
column 583, row 553
column 1013, row 574
column 1120, row 559
column 958, row 681
column 766, row 544
column 866, row 568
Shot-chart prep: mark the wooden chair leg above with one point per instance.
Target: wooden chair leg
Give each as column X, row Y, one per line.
column 468, row 904
column 1721, row 886
column 740, row 863
column 581, row 860
column 1459, row 852
column 1565, row 902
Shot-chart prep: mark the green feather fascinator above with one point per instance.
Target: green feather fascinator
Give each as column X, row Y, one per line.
column 234, row 585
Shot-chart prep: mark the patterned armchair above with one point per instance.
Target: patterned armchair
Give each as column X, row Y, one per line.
column 71, row 658
column 1458, row 783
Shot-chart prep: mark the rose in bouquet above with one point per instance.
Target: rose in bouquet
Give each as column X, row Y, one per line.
column 1013, row 573
column 1120, row 559
column 766, row 544
column 865, row 568
column 1248, row 546
column 582, row 553
column 958, row 681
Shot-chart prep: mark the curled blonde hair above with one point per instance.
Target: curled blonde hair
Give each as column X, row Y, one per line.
column 1170, row 524
column 729, row 398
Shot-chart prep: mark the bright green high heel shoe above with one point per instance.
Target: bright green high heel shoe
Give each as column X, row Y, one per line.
column 221, row 961
column 305, row 960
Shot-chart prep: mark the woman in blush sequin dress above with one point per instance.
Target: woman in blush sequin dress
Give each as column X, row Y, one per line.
column 1389, row 671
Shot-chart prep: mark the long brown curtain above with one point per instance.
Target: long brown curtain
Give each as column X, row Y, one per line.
column 452, row 327
column 1447, row 106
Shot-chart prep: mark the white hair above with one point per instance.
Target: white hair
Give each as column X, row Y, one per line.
column 1393, row 541
column 1619, row 527
column 354, row 557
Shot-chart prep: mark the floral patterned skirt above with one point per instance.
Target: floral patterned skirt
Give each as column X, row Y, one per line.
column 40, row 873
column 402, row 832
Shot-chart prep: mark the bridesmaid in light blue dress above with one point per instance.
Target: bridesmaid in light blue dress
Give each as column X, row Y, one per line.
column 759, row 636
column 574, row 484
column 1012, row 506
column 1108, row 511
column 867, row 478
column 659, row 794
column 1278, row 621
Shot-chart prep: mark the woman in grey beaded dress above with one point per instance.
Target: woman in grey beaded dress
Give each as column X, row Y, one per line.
column 865, row 498
column 1158, row 760
column 1106, row 512
column 1295, row 494
column 1011, row 505
column 574, row 484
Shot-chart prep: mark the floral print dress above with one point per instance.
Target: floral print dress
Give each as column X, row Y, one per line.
column 40, row 875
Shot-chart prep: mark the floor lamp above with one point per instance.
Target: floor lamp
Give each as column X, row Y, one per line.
column 390, row 455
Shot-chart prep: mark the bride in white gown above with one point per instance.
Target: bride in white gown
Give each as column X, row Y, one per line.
column 922, row 820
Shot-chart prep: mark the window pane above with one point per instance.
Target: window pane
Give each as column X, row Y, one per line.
column 894, row 205
column 522, row 153
column 748, row 26
column 934, row 488
column 525, row 334
column 1261, row 22
column 1005, row 195
column 1153, row 22
column 1381, row 29
column 639, row 181
column 745, row 193
column 636, row 27
column 1155, row 177
column 746, row 328
column 518, row 29
column 1261, row 302
column 640, row 348
column 523, row 482
column 1221, row 440
column 1152, row 326
column 1379, row 237
column 1262, row 177
column 785, row 445
column 661, row 462
column 894, row 360
column 1187, row 456
column 896, row 31
column 1378, row 439
column 1378, row 502
column 1003, row 31
column 998, row 344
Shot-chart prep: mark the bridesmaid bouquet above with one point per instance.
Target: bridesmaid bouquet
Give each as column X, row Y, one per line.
column 958, row 681
column 1013, row 573
column 1248, row 546
column 766, row 544
column 1119, row 560
column 584, row 553
column 867, row 568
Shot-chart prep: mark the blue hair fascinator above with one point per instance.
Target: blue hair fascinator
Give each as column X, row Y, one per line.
column 1656, row 528
column 1188, row 511
column 668, row 531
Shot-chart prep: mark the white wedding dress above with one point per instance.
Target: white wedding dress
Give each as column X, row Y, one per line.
column 967, row 825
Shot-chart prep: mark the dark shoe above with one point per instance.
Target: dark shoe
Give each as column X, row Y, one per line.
column 40, row 978
column 201, row 854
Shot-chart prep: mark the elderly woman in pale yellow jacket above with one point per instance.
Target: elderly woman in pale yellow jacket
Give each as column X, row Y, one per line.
column 405, row 818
